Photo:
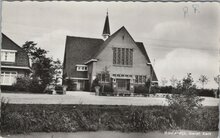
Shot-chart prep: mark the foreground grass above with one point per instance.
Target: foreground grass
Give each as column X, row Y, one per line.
column 24, row 118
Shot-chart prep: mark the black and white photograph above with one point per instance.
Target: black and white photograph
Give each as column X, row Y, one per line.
column 110, row 69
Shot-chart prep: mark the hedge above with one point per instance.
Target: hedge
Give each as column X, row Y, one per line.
column 18, row 118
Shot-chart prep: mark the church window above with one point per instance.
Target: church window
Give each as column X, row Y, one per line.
column 114, row 56
column 119, row 56
column 123, row 56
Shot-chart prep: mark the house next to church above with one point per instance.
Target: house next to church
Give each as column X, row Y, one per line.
column 125, row 59
column 14, row 62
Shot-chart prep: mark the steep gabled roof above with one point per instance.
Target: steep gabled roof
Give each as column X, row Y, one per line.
column 8, row 44
column 77, row 51
column 109, row 39
column 140, row 45
column 21, row 60
column 144, row 52
column 80, row 50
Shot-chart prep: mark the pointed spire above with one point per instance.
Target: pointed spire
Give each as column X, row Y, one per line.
column 106, row 30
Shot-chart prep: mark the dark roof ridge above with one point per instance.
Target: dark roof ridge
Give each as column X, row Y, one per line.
column 84, row 37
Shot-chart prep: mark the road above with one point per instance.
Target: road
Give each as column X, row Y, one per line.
column 78, row 97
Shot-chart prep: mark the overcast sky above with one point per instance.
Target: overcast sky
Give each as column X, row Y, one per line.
column 180, row 37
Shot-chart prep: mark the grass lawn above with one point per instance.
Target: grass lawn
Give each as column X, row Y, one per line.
column 79, row 97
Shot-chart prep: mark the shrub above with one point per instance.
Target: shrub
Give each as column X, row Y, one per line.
column 141, row 89
column 149, row 120
column 59, row 89
column 26, row 84
column 7, row 88
column 22, row 118
column 94, row 84
column 183, row 106
column 71, row 86
column 107, row 89
column 206, row 92
column 22, row 84
column 155, row 89
column 36, row 87
column 166, row 89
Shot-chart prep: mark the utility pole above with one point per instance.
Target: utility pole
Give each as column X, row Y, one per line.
column 218, row 77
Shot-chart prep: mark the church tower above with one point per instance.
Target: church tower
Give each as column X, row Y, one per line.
column 106, row 30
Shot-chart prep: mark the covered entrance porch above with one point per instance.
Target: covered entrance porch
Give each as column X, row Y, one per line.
column 123, row 86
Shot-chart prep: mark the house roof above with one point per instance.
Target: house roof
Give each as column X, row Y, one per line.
column 77, row 51
column 21, row 59
column 90, row 48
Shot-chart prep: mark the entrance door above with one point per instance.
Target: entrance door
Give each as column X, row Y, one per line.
column 80, row 85
column 123, row 84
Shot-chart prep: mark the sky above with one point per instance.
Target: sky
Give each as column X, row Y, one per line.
column 180, row 38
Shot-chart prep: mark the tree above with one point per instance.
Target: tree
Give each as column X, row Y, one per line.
column 183, row 105
column 43, row 67
column 217, row 80
column 203, row 80
column 29, row 47
column 105, row 75
column 173, row 82
column 57, row 67
column 163, row 81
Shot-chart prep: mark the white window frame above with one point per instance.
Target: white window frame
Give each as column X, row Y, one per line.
column 81, row 68
column 12, row 77
column 8, row 55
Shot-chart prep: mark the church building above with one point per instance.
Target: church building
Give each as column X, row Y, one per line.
column 125, row 60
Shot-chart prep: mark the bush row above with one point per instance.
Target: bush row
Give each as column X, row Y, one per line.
column 25, row 84
column 71, row 118
column 200, row 92
column 142, row 89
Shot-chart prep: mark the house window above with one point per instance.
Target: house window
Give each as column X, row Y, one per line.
column 81, row 68
column 8, row 77
column 122, row 56
column 8, row 56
